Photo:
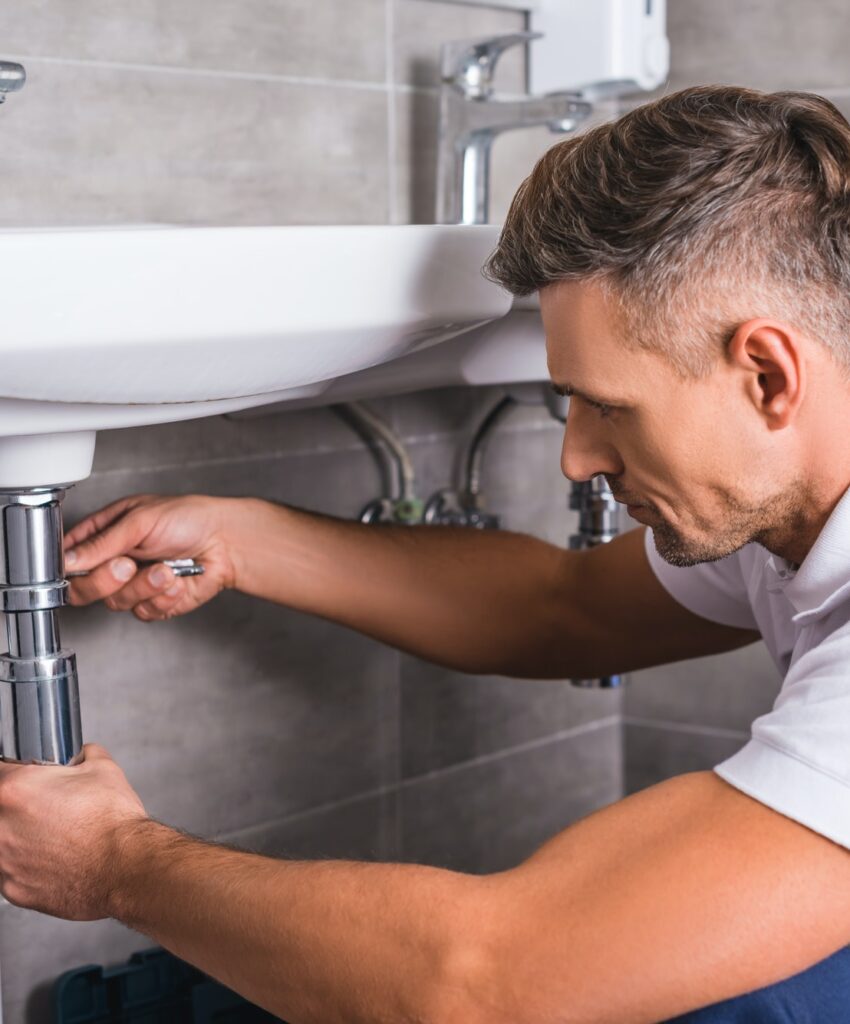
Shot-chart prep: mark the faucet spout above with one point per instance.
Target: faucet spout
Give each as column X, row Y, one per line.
column 473, row 115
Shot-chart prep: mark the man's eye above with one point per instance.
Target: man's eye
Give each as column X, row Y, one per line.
column 603, row 410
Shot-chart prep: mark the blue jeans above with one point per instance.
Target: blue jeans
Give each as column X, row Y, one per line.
column 820, row 995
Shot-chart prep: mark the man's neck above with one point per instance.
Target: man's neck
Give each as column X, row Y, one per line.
column 794, row 538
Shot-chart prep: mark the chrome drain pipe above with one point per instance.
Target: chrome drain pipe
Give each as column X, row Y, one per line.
column 598, row 523
column 39, row 694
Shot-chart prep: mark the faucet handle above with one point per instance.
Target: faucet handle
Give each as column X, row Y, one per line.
column 469, row 64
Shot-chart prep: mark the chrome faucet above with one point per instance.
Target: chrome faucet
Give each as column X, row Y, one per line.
column 12, row 78
column 472, row 114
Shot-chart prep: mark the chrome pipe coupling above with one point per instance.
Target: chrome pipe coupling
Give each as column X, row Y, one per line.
column 597, row 513
column 598, row 523
column 39, row 693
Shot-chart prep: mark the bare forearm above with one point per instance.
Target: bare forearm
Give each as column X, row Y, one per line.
column 310, row 941
column 481, row 602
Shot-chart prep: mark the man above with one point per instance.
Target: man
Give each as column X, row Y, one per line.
column 693, row 264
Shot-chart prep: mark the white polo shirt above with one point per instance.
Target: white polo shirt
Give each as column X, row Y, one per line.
column 798, row 758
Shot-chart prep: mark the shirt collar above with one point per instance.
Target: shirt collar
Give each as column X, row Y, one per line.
column 823, row 579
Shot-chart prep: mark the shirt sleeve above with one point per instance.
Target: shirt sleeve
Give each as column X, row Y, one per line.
column 713, row 590
column 798, row 759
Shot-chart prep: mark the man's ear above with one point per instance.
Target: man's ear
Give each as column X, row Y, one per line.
column 770, row 353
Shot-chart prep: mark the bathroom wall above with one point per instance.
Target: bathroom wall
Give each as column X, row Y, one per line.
column 244, row 721
column 253, row 723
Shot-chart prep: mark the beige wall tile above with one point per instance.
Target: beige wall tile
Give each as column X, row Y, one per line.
column 312, row 38
column 97, row 145
column 767, row 44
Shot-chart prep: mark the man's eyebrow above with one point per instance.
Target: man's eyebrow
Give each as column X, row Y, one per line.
column 566, row 390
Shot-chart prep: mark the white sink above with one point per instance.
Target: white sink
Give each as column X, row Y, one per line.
column 120, row 327
column 511, row 350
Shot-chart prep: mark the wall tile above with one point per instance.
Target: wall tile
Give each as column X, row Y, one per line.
column 449, row 717
column 287, row 37
column 725, row 691
column 306, row 709
column 361, row 829
column 218, row 438
column 416, row 119
column 420, row 27
column 491, row 815
column 97, row 145
column 767, row 44
column 239, row 713
column 653, row 753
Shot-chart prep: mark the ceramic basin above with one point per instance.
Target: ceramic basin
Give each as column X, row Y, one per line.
column 120, row 327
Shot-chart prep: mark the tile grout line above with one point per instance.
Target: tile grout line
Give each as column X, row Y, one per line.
column 377, row 791
column 392, row 125
column 233, row 836
column 685, row 727
column 249, row 76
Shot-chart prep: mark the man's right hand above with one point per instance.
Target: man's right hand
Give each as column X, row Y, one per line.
column 146, row 528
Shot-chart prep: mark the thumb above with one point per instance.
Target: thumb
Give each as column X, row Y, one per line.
column 120, row 538
column 94, row 752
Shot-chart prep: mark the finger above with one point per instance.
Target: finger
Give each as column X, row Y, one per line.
column 95, row 752
column 120, row 538
column 98, row 521
column 102, row 582
column 149, row 583
column 162, row 607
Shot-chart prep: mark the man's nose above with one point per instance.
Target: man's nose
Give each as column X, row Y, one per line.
column 585, row 454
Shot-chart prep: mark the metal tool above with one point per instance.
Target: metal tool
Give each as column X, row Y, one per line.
column 179, row 566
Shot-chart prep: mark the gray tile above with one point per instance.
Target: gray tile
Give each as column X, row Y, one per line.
column 652, row 754
column 35, row 950
column 86, row 144
column 338, row 482
column 361, row 829
column 216, row 438
column 491, row 815
column 416, row 116
column 767, row 44
column 239, row 713
column 449, row 717
column 724, row 691
column 420, row 27
column 449, row 412
column 317, row 38
column 528, row 463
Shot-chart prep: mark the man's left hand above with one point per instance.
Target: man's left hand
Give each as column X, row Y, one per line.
column 61, row 831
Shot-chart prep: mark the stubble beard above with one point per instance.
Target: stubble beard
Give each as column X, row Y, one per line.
column 737, row 524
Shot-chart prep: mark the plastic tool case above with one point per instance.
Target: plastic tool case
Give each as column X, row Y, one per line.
column 152, row 988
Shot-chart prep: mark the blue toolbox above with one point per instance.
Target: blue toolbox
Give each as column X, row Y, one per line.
column 153, row 987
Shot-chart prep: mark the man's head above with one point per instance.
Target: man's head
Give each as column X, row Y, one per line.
column 693, row 263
